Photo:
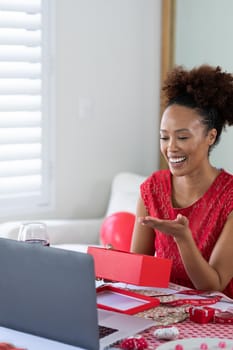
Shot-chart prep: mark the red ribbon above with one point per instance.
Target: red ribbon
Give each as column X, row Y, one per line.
column 223, row 317
column 195, row 302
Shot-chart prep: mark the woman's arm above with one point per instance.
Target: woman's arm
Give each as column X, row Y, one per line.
column 212, row 275
column 143, row 236
column 217, row 273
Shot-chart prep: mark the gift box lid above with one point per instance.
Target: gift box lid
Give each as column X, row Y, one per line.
column 131, row 268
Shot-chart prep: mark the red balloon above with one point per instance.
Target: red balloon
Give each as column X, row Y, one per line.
column 117, row 229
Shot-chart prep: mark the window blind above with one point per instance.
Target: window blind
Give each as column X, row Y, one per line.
column 24, row 105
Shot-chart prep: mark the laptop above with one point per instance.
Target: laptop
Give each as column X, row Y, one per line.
column 51, row 293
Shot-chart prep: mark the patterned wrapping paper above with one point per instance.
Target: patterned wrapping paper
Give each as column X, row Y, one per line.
column 188, row 329
column 165, row 315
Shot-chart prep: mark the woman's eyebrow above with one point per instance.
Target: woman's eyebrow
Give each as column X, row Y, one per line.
column 178, row 130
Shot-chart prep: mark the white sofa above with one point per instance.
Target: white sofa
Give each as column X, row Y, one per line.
column 77, row 234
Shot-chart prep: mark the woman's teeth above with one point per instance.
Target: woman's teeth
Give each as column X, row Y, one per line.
column 176, row 160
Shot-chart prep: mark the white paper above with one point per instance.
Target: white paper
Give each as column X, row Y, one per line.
column 119, row 301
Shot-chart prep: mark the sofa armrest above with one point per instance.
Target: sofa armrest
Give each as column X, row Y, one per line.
column 81, row 231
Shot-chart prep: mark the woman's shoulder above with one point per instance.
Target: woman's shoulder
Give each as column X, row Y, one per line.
column 225, row 178
column 222, row 188
column 160, row 176
column 156, row 188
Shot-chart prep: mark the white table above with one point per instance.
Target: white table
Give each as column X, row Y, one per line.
column 31, row 342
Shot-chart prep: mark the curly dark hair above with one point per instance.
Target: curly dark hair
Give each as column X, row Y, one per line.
column 207, row 89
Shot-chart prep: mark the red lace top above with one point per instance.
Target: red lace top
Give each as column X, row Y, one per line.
column 207, row 217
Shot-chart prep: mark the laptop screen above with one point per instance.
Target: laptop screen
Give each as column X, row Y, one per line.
column 48, row 292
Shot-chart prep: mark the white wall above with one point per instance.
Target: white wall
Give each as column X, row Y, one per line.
column 204, row 32
column 107, row 100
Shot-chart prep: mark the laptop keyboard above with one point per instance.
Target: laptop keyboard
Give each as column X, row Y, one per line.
column 104, row 331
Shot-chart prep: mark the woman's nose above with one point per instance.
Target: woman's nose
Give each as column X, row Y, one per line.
column 172, row 144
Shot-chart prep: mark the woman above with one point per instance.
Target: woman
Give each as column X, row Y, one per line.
column 185, row 213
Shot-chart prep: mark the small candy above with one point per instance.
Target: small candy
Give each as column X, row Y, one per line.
column 134, row 343
column 179, row 347
column 222, row 345
column 204, row 346
column 166, row 333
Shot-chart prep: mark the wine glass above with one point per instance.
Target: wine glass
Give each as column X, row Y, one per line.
column 34, row 232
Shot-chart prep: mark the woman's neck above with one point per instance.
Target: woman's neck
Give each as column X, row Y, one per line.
column 186, row 190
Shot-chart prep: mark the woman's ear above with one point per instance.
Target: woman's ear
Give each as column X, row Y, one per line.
column 212, row 136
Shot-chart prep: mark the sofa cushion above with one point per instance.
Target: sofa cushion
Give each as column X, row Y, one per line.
column 124, row 193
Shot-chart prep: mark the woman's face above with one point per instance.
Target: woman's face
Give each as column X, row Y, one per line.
column 184, row 141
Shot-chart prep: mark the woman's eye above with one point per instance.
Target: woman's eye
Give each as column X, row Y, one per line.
column 166, row 138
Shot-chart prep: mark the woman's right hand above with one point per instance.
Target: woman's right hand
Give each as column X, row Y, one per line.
column 178, row 228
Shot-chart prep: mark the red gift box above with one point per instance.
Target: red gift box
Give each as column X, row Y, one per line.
column 201, row 314
column 142, row 270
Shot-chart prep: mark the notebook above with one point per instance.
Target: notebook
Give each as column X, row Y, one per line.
column 50, row 292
